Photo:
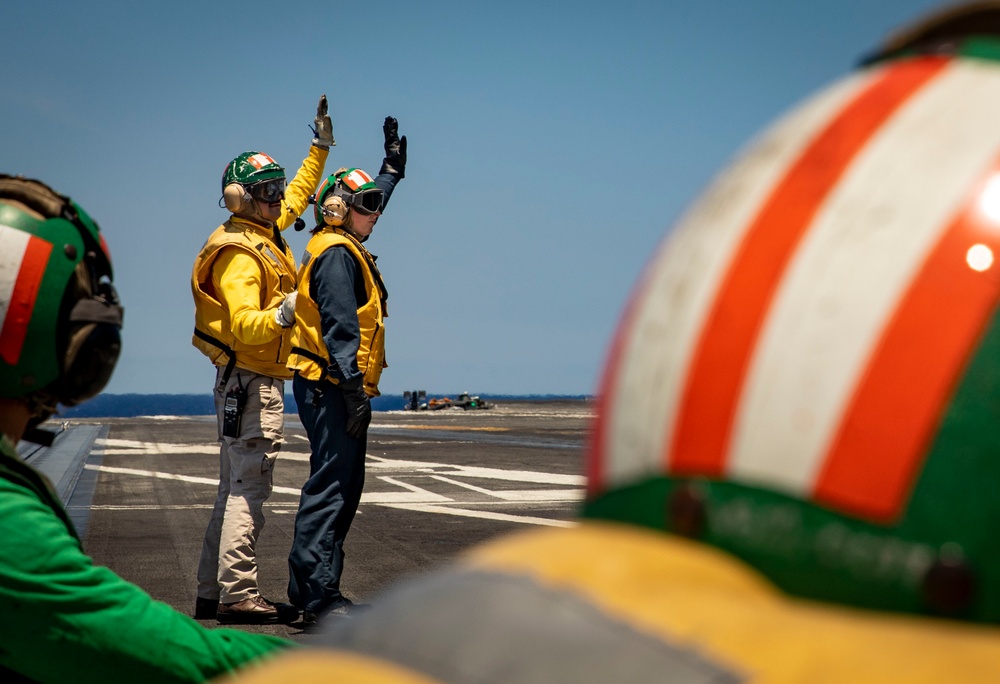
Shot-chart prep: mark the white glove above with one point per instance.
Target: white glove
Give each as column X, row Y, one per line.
column 284, row 315
column 323, row 128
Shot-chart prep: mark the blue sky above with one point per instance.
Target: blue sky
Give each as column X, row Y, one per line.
column 550, row 149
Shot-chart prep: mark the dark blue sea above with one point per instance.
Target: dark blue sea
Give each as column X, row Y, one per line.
column 128, row 405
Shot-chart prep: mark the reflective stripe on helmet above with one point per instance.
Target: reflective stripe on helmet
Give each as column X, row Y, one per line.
column 23, row 258
column 822, row 329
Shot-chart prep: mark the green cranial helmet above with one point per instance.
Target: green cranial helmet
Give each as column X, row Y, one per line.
column 59, row 314
column 250, row 168
column 347, row 188
column 252, row 175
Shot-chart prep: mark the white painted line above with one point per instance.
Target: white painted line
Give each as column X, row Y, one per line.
column 172, row 476
column 474, row 488
column 483, row 515
column 154, row 449
column 129, row 447
column 479, row 472
column 373, row 439
column 143, row 507
column 428, row 496
column 522, row 495
column 162, row 507
column 519, row 476
column 120, row 443
column 541, row 495
column 415, row 495
column 387, row 463
column 189, row 450
column 403, row 498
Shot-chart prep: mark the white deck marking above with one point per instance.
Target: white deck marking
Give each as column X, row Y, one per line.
column 534, row 495
column 128, row 447
column 408, row 495
column 173, row 476
column 387, row 497
column 466, row 485
column 518, row 476
column 479, row 472
column 483, row 515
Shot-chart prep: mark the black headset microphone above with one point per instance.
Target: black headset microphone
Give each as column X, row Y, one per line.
column 300, row 223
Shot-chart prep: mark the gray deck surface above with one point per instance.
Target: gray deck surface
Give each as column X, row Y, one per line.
column 437, row 482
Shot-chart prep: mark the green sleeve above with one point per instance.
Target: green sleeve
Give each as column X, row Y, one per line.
column 63, row 619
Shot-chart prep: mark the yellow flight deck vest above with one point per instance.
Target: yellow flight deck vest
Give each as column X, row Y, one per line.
column 212, row 316
column 308, row 347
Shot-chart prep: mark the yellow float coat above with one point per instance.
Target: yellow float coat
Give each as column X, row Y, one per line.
column 307, row 335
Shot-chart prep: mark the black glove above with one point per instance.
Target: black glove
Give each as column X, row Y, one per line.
column 359, row 408
column 395, row 149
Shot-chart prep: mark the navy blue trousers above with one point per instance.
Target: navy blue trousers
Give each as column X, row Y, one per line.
column 329, row 498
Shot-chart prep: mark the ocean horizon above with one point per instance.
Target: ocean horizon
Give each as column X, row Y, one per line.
column 131, row 405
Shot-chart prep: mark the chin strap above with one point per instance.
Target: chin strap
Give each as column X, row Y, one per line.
column 39, row 436
column 42, row 405
column 278, row 240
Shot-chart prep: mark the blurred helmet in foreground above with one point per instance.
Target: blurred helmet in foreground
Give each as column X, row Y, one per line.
column 808, row 372
column 60, row 319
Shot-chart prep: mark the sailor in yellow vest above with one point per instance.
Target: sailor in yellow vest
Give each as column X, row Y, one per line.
column 338, row 354
column 244, row 291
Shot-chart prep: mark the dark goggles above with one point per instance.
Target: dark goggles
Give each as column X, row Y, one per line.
column 268, row 191
column 367, row 202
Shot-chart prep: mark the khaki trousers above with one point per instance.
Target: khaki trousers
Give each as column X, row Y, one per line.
column 227, row 570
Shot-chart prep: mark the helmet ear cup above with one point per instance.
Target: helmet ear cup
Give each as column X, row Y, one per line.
column 236, row 198
column 90, row 359
column 334, row 210
column 92, row 327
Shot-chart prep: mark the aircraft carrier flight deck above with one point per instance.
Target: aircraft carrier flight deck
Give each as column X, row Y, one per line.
column 140, row 491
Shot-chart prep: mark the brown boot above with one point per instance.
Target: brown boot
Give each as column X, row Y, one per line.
column 256, row 610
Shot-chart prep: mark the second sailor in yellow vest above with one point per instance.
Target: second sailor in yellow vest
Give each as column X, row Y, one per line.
column 310, row 354
column 338, row 353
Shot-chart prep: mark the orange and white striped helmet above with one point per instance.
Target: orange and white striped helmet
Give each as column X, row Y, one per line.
column 808, row 372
